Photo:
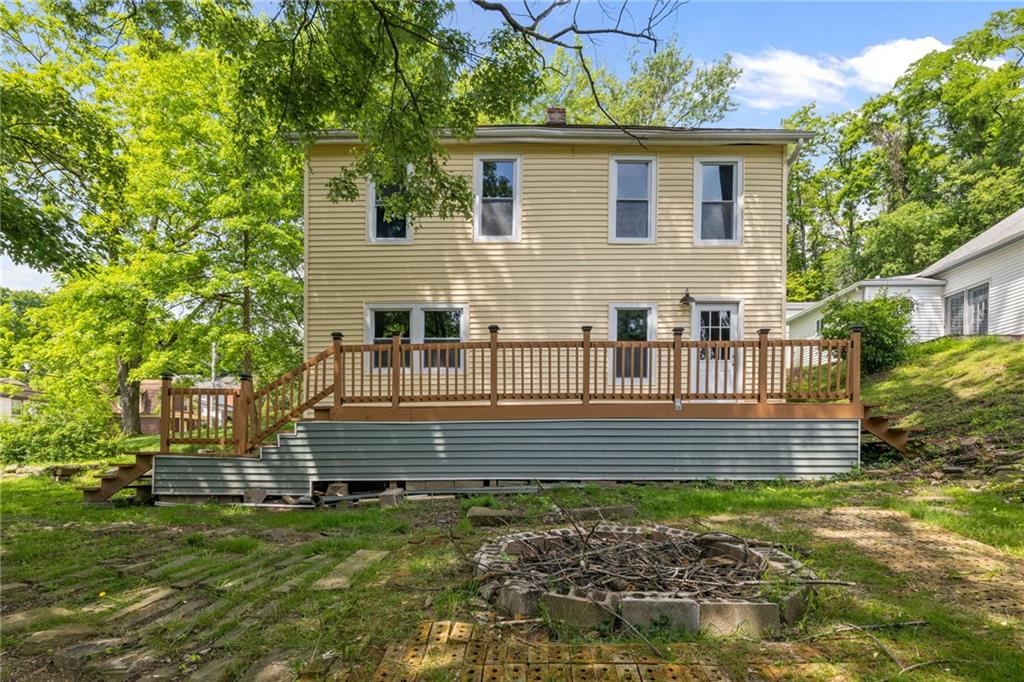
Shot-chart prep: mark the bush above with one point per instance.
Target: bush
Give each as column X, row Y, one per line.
column 51, row 435
column 886, row 326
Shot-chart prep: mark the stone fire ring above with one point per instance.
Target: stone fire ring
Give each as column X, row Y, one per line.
column 596, row 609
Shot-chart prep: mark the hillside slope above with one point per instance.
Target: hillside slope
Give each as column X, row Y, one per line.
column 955, row 388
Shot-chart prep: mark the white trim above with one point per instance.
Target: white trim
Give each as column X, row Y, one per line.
column 416, row 311
column 967, row 323
column 739, row 364
column 694, row 327
column 371, row 220
column 652, row 198
column 517, row 198
column 698, row 181
column 613, row 335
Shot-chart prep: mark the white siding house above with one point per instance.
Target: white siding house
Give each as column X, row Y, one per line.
column 976, row 289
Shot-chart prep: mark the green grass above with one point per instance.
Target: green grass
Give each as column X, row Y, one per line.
column 957, row 387
column 49, row 535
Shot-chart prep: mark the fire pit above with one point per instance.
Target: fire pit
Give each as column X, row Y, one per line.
column 648, row 576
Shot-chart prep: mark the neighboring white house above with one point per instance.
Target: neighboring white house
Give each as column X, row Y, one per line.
column 13, row 396
column 976, row 289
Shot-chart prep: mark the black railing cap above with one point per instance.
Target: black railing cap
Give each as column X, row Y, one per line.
column 337, row 336
column 857, row 328
column 166, row 376
column 588, row 327
column 678, row 331
column 763, row 330
column 493, row 328
column 245, row 376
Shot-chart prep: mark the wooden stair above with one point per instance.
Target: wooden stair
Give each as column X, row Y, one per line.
column 126, row 474
column 881, row 426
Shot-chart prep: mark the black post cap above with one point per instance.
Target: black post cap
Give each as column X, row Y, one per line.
column 588, row 328
column 857, row 328
column 763, row 330
column 493, row 328
column 166, row 376
column 244, row 376
column 337, row 336
column 678, row 331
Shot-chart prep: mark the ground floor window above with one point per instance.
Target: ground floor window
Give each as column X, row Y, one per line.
column 417, row 323
column 631, row 322
column 967, row 312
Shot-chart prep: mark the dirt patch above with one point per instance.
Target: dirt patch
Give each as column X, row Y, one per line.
column 956, row 569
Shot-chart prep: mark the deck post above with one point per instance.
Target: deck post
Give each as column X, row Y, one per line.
column 338, row 365
column 677, row 364
column 396, row 369
column 853, row 381
column 586, row 363
column 165, row 412
column 762, row 365
column 241, row 413
column 493, row 329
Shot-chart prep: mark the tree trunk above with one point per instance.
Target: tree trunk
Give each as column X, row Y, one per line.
column 128, row 395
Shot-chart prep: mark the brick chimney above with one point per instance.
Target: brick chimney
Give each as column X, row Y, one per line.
column 554, row 116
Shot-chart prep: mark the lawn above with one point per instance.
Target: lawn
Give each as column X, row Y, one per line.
column 83, row 558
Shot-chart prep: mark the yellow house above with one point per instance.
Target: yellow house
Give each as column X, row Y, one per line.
column 572, row 226
column 613, row 309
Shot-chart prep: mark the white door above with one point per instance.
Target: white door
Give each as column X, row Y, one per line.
column 716, row 369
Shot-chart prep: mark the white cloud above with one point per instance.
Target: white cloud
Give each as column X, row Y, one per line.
column 776, row 78
column 22, row 277
column 877, row 67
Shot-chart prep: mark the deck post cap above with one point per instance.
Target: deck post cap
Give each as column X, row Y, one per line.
column 588, row 327
column 678, row 331
column 337, row 336
column 166, row 376
column 763, row 330
column 857, row 328
column 493, row 328
column 245, row 376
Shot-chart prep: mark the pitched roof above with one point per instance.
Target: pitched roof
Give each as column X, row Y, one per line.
column 908, row 281
column 1007, row 230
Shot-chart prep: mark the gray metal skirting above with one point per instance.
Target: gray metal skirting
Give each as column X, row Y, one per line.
column 555, row 450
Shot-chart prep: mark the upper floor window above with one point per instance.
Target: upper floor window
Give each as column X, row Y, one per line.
column 381, row 229
column 631, row 207
column 718, row 205
column 497, row 185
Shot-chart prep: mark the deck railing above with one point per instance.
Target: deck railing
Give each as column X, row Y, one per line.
column 496, row 371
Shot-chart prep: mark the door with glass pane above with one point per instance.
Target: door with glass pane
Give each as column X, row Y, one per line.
column 715, row 369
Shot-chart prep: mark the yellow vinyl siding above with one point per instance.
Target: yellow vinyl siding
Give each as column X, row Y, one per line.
column 564, row 272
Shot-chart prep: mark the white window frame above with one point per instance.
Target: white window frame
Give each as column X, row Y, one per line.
column 698, row 193
column 613, row 335
column 517, row 199
column 416, row 326
column 652, row 199
column 371, row 220
column 968, row 315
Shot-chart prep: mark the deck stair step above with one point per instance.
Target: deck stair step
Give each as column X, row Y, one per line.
column 883, row 427
column 120, row 477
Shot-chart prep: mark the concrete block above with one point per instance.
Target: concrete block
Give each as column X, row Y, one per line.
column 485, row 516
column 756, row 619
column 339, row 489
column 645, row 613
column 794, row 605
column 577, row 612
column 518, row 600
column 254, row 495
column 392, row 497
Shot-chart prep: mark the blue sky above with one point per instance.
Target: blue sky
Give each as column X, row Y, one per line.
column 837, row 54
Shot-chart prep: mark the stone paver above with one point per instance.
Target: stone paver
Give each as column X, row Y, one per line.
column 73, row 657
column 26, row 620
column 60, row 636
column 212, row 671
column 8, row 589
column 152, row 597
column 341, row 576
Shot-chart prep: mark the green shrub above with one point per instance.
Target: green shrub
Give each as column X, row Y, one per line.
column 47, row 434
column 886, row 334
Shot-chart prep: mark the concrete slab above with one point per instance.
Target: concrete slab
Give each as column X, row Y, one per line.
column 341, row 577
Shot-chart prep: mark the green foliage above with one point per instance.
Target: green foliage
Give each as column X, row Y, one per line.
column 886, row 328
column 914, row 173
column 666, row 88
column 74, row 428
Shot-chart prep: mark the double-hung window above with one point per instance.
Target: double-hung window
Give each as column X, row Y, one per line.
column 381, row 226
column 631, row 322
column 631, row 209
column 967, row 312
column 718, row 201
column 419, row 324
column 498, row 189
